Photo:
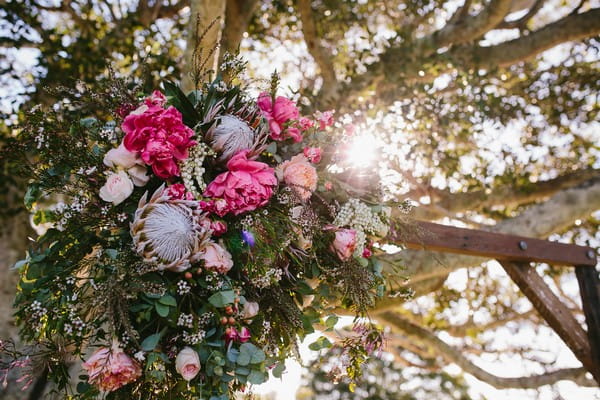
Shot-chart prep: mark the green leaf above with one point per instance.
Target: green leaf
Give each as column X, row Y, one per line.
column 168, row 300
column 331, row 321
column 221, row 299
column 250, row 354
column 150, row 342
column 32, row 195
column 161, row 309
column 83, row 387
column 178, row 99
column 278, row 370
column 256, row 377
column 242, row 370
column 320, row 343
column 111, row 253
column 232, row 355
column 363, row 262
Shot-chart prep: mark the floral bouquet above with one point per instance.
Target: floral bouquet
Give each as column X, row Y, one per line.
column 192, row 239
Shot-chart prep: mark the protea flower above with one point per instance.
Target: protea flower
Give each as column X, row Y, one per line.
column 229, row 135
column 170, row 233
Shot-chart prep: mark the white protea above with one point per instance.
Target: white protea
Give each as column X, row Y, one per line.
column 170, row 233
column 229, row 135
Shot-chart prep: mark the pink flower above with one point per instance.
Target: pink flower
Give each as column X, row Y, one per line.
column 156, row 99
column 159, row 136
column 325, row 119
column 117, row 188
column 244, row 335
column 218, row 227
column 121, row 157
column 305, row 123
column 313, row 154
column 124, row 109
column 367, row 253
column 344, row 243
column 300, row 175
column 245, row 187
column 328, row 186
column 216, row 258
column 178, row 192
column 279, row 113
column 349, row 129
column 187, row 363
column 231, row 334
column 111, row 369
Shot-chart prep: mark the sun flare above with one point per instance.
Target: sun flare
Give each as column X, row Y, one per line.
column 362, row 150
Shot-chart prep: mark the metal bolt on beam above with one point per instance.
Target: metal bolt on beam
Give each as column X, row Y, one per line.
column 590, row 254
column 523, row 245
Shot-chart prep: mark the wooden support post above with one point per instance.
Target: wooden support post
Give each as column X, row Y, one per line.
column 589, row 286
column 556, row 314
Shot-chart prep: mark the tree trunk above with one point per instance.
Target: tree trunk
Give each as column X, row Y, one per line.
column 203, row 14
column 13, row 243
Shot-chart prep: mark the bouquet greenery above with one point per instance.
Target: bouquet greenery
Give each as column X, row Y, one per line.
column 192, row 239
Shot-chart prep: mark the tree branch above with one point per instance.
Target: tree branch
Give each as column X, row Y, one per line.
column 445, row 203
column 570, row 28
column 521, row 22
column 465, row 29
column 539, row 221
column 319, row 53
column 453, row 355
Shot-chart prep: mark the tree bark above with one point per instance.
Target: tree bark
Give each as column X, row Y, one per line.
column 454, row 355
column 202, row 14
column 13, row 243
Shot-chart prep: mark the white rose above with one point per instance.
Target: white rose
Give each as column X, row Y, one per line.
column 121, row 157
column 187, row 363
column 117, row 188
column 250, row 309
column 138, row 174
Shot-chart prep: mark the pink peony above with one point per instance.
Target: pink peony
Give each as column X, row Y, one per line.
column 300, row 175
column 325, row 119
column 156, row 99
column 111, row 369
column 344, row 243
column 159, row 136
column 216, row 258
column 187, row 363
column 280, row 114
column 313, row 154
column 178, row 192
column 245, row 187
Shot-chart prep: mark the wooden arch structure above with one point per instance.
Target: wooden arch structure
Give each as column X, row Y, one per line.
column 515, row 254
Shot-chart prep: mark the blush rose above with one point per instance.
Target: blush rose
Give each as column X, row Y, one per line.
column 187, row 363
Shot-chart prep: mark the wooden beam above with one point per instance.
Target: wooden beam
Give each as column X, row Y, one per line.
column 556, row 314
column 589, row 286
column 436, row 237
